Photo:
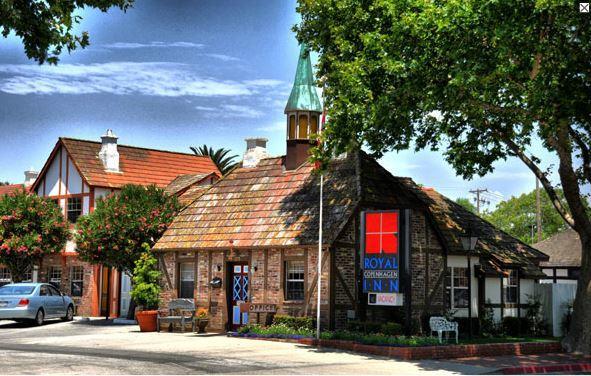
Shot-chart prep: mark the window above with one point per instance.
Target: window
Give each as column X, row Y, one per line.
column 303, row 127
column 381, row 233
column 187, row 280
column 314, row 125
column 76, row 280
column 292, row 127
column 43, row 291
column 294, row 280
column 457, row 287
column 28, row 276
column 510, row 287
column 53, row 291
column 74, row 209
column 55, row 276
column 4, row 276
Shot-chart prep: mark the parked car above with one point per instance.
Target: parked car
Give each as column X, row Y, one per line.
column 34, row 301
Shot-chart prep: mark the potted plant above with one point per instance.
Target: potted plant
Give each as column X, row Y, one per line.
column 146, row 290
column 202, row 318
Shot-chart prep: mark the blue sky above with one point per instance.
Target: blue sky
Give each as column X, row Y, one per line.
column 171, row 74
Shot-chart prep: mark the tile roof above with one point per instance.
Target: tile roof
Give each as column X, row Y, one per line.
column 268, row 206
column 563, row 248
column 137, row 165
column 9, row 189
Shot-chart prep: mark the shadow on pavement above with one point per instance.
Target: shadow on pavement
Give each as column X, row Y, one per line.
column 25, row 324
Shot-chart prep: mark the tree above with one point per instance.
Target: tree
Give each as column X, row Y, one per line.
column 220, row 157
column 467, row 204
column 30, row 227
column 481, row 80
column 4, row 183
column 517, row 216
column 46, row 27
column 114, row 233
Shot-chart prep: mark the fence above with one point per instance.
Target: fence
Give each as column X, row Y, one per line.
column 555, row 299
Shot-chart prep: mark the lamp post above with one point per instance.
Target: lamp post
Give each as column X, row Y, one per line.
column 469, row 244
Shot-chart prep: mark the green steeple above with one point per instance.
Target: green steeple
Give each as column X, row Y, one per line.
column 303, row 95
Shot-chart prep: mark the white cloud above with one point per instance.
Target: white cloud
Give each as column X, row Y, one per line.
column 231, row 110
column 222, row 57
column 205, row 108
column 264, row 82
column 132, row 45
column 125, row 78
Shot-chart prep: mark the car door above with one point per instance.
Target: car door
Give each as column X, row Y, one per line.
column 58, row 301
column 45, row 301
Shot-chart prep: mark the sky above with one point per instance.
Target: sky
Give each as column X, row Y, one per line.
column 173, row 74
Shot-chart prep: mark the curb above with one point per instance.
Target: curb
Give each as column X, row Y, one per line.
column 576, row 367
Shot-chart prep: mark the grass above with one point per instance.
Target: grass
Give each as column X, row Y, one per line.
column 483, row 340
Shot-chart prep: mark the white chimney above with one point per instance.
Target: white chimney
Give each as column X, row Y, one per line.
column 30, row 177
column 109, row 154
column 256, row 149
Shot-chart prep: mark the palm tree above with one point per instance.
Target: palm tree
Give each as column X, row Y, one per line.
column 220, row 157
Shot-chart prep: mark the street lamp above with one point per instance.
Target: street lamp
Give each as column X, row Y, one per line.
column 469, row 241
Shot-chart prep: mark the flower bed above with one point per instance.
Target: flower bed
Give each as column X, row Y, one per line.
column 401, row 347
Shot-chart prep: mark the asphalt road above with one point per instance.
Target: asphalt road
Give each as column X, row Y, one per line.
column 97, row 347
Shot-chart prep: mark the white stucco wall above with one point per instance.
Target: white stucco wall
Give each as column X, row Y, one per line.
column 462, row 262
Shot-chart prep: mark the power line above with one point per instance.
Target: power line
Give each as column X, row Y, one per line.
column 478, row 192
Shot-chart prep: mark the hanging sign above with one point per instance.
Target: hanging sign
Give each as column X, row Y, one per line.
column 380, row 245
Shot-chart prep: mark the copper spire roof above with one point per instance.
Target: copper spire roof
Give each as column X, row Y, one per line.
column 303, row 95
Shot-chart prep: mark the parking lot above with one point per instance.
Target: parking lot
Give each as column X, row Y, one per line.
column 100, row 347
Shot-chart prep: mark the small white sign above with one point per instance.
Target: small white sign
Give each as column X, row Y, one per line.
column 584, row 7
column 394, row 299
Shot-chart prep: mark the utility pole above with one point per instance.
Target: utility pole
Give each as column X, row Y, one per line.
column 538, row 211
column 479, row 200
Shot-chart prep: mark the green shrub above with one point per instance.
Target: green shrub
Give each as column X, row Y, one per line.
column 276, row 330
column 391, row 329
column 512, row 326
column 536, row 325
column 487, row 323
column 366, row 327
column 146, row 277
column 380, row 339
column 296, row 323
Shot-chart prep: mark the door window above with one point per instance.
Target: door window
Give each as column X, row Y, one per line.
column 187, row 280
column 53, row 291
column 43, row 291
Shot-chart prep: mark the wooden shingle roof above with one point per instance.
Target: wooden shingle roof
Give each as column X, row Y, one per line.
column 563, row 248
column 267, row 206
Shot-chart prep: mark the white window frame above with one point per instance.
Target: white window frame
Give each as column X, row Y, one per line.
column 452, row 271
column 290, row 278
column 511, row 281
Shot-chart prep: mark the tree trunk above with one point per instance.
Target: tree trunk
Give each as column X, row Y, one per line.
column 578, row 338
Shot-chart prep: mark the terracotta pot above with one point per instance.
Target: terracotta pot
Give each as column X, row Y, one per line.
column 148, row 320
column 201, row 325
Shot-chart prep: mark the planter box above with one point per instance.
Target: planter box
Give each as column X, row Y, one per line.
column 441, row 352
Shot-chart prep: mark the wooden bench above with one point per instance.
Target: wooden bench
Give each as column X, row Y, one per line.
column 181, row 311
column 440, row 325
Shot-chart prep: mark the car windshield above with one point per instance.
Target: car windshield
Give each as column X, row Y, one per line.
column 16, row 290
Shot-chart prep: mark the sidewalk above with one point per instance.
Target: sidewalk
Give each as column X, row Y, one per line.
column 543, row 363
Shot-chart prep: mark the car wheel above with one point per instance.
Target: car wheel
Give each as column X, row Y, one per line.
column 69, row 314
column 39, row 318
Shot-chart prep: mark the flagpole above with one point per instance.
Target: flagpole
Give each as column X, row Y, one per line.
column 320, row 240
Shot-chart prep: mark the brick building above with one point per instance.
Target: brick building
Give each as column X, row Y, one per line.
column 76, row 175
column 252, row 237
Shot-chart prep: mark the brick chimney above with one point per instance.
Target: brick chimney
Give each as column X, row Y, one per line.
column 30, row 177
column 256, row 149
column 109, row 154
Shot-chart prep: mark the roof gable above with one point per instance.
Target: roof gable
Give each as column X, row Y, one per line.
column 137, row 165
column 564, row 249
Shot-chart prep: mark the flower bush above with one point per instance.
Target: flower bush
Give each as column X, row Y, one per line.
column 202, row 313
column 113, row 234
column 275, row 331
column 380, row 339
column 146, row 277
column 30, row 228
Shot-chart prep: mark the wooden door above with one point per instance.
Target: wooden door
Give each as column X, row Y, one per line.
column 239, row 294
